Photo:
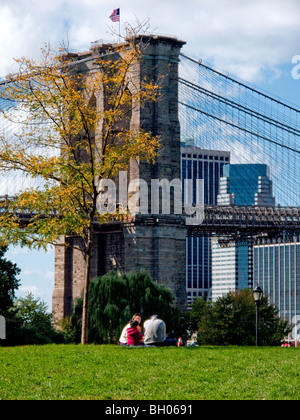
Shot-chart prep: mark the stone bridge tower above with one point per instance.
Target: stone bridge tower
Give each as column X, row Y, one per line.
column 154, row 242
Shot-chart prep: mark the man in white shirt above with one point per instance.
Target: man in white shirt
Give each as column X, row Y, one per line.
column 155, row 331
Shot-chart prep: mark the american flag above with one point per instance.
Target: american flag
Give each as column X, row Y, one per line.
column 115, row 16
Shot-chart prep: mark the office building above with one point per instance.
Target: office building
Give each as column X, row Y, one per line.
column 246, row 185
column 232, row 262
column 277, row 271
column 208, row 165
column 231, row 266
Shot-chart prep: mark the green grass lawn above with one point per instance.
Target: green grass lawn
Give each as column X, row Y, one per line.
column 112, row 372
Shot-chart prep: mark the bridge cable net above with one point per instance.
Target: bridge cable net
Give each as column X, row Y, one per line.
column 13, row 128
column 218, row 112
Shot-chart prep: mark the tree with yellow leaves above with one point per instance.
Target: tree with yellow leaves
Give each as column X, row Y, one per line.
column 75, row 132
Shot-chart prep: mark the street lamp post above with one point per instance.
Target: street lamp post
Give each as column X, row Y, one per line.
column 257, row 294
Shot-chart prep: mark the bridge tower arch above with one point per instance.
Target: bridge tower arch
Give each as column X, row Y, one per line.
column 154, row 242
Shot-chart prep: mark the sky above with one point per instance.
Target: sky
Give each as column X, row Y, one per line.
column 256, row 41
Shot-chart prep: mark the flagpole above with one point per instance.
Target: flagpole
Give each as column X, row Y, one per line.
column 116, row 17
column 119, row 26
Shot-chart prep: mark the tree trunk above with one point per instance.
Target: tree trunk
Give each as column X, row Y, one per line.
column 84, row 326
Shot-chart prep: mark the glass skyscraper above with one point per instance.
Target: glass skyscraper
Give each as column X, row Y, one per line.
column 208, row 165
column 246, row 185
column 232, row 265
column 277, row 271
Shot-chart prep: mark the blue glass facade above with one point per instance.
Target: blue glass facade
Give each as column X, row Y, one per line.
column 243, row 266
column 246, row 185
column 241, row 185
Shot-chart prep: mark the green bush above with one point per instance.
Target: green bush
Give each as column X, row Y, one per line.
column 231, row 320
column 29, row 323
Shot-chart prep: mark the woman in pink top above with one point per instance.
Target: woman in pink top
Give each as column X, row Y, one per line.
column 134, row 336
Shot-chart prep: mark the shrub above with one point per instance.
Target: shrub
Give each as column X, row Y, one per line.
column 231, row 320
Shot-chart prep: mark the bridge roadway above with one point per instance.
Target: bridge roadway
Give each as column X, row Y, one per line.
column 217, row 220
column 250, row 220
column 235, row 221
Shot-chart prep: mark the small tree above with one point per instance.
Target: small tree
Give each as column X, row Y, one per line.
column 230, row 320
column 35, row 323
column 196, row 313
column 75, row 133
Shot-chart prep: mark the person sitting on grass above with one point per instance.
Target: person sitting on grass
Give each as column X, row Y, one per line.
column 155, row 332
column 134, row 336
column 123, row 337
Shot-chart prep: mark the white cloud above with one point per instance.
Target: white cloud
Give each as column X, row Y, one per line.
column 48, row 275
column 18, row 250
column 23, row 290
column 245, row 37
column 37, row 271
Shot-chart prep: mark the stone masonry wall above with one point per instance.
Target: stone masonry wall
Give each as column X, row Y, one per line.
column 153, row 242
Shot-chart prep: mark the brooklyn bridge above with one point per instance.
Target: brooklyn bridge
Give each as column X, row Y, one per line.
column 207, row 111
